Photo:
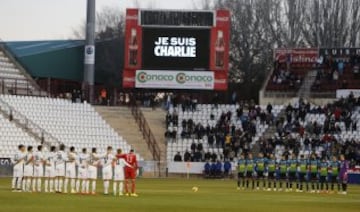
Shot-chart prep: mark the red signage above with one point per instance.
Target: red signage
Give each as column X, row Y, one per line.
column 304, row 56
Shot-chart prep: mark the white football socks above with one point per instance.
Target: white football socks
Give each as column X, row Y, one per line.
column 106, row 187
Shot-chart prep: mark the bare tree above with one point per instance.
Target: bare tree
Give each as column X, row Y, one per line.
column 109, row 23
column 331, row 23
column 259, row 26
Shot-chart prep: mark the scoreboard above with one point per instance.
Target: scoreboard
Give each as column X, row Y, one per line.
column 169, row 49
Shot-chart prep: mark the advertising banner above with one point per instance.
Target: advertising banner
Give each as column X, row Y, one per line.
column 343, row 54
column 306, row 56
column 220, row 42
column 346, row 92
column 133, row 40
column 174, row 79
column 5, row 167
column 89, row 53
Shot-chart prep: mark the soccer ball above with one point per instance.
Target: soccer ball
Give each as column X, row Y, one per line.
column 195, row 189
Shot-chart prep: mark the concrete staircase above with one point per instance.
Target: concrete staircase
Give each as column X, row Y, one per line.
column 156, row 121
column 305, row 89
column 270, row 131
column 121, row 119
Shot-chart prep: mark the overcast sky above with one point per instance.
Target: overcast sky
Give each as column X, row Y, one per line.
column 56, row 19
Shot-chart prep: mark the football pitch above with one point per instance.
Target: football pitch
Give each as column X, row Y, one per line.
column 176, row 195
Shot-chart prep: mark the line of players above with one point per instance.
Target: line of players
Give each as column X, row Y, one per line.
column 319, row 173
column 58, row 168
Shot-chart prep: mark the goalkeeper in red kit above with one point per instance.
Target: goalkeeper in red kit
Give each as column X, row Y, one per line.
column 130, row 172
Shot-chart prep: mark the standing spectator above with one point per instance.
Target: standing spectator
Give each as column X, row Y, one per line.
column 340, row 67
column 218, row 169
column 193, row 147
column 269, row 108
column 227, row 168
column 103, row 95
column 207, row 169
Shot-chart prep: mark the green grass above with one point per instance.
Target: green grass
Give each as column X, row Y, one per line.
column 176, row 195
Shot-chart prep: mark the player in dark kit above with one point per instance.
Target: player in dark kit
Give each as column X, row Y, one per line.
column 323, row 173
column 250, row 166
column 283, row 171
column 314, row 173
column 292, row 172
column 303, row 173
column 260, row 171
column 343, row 175
column 333, row 174
column 241, row 172
column 271, row 166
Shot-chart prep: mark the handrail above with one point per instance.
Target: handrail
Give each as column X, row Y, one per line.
column 146, row 131
column 41, row 134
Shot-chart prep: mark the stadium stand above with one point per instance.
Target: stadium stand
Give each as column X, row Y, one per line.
column 327, row 130
column 74, row 124
column 215, row 131
column 299, row 128
column 11, row 137
column 12, row 79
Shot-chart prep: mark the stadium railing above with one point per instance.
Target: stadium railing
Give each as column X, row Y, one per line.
column 39, row 133
column 147, row 133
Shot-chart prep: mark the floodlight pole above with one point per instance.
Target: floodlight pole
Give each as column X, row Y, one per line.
column 89, row 52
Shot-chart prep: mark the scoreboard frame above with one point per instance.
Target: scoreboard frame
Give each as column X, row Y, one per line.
column 219, row 37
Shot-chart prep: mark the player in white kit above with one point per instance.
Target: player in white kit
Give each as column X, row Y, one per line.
column 70, row 171
column 18, row 171
column 107, row 166
column 50, row 169
column 60, row 159
column 38, row 169
column 28, row 169
column 83, row 160
column 119, row 175
column 92, row 171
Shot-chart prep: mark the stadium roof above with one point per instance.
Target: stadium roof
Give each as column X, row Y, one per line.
column 27, row 48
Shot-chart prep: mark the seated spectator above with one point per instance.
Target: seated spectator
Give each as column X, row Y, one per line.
column 214, row 156
column 211, row 140
column 193, row 147
column 340, row 67
column 187, row 156
column 269, row 108
column 197, row 156
column 200, row 147
column 335, row 75
column 177, row 157
column 207, row 156
column 356, row 71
